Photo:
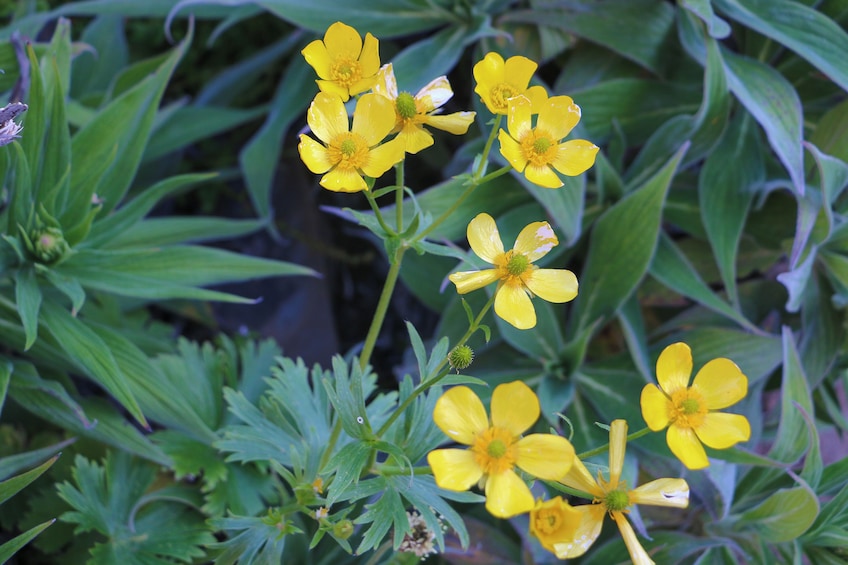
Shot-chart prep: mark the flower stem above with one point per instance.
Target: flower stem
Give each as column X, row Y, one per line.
column 378, row 214
column 399, row 172
column 382, row 307
column 484, row 159
column 605, row 447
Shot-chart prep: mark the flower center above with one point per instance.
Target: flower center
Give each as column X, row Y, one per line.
column 346, row 72
column 494, row 450
column 687, row 408
column 348, row 151
column 538, row 148
column 517, row 264
column 405, row 104
column 548, row 520
column 617, row 500
column 500, row 95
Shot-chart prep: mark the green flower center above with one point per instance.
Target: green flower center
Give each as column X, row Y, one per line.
column 541, row 145
column 517, row 264
column 348, row 147
column 617, row 501
column 496, row 449
column 690, row 406
column 345, row 72
column 405, row 104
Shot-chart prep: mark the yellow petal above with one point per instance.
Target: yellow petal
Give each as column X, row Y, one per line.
column 618, row 445
column 655, row 407
column 558, row 116
column 373, row 118
column 721, row 383
column 343, row 180
column 386, row 84
column 434, row 95
column 514, row 306
column 553, row 285
column 333, row 88
column 519, row 70
column 507, row 495
column 542, row 175
column 662, row 492
column 487, row 73
column 545, row 456
column 415, row 138
column 460, row 414
column 720, row 430
column 674, row 367
column 512, row 152
column 518, row 117
column 515, row 407
column 466, row 281
column 456, row 123
column 591, row 522
column 535, row 240
column 343, row 41
column 362, row 85
column 454, row 469
column 369, row 60
column 313, row 154
column 383, row 157
column 579, row 477
column 554, row 521
column 538, row 97
column 575, row 157
column 327, row 117
column 317, row 57
column 637, row 553
column 687, row 447
column 484, row 239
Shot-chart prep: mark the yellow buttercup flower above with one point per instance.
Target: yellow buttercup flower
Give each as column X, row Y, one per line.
column 554, row 521
column 347, row 155
column 499, row 80
column 496, row 447
column 345, row 65
column 614, row 498
column 537, row 151
column 412, row 113
column 688, row 411
column 518, row 279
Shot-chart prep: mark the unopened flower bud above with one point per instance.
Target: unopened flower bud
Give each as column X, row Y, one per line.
column 343, row 529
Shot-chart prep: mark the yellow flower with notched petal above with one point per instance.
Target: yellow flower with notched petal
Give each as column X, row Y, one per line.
column 518, row 279
column 496, row 447
column 414, row 112
column 554, row 521
column 499, row 80
column 688, row 410
column 347, row 155
column 614, row 498
column 344, row 64
column 537, row 151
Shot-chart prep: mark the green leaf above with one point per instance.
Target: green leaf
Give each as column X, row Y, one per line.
column 805, row 30
column 54, row 173
column 542, row 343
column 830, row 133
column 725, row 194
column 93, row 71
column 10, row 487
column 125, row 123
column 21, row 206
column 783, row 516
column 347, row 464
column 387, row 512
column 5, row 377
column 793, row 439
column 173, row 230
column 563, row 205
column 251, row 541
column 28, row 302
column 11, row 547
column 718, row 28
column 20, row 461
column 621, row 248
column 86, row 349
column 292, row 97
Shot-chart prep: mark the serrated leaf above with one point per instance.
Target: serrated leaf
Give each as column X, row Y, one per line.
column 387, row 512
column 347, row 464
column 620, row 249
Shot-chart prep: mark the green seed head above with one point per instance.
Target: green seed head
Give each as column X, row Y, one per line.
column 517, row 264
column 496, row 449
column 461, row 357
column 541, row 145
column 617, row 500
column 348, row 147
column 690, row 406
column 406, row 105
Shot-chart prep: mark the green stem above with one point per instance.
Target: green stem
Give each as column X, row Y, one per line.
column 484, row 159
column 495, row 174
column 379, row 553
column 387, row 470
column 331, row 443
column 441, row 372
column 377, row 214
column 399, row 195
column 382, row 307
column 605, row 447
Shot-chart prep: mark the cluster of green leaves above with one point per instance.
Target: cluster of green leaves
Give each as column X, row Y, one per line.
column 714, row 216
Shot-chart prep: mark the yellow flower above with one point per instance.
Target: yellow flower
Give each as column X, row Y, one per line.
column 413, row 112
column 518, row 279
column 496, row 447
column 614, row 498
column 347, row 155
column 345, row 66
column 554, row 521
column 537, row 151
column 498, row 81
column 688, row 411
